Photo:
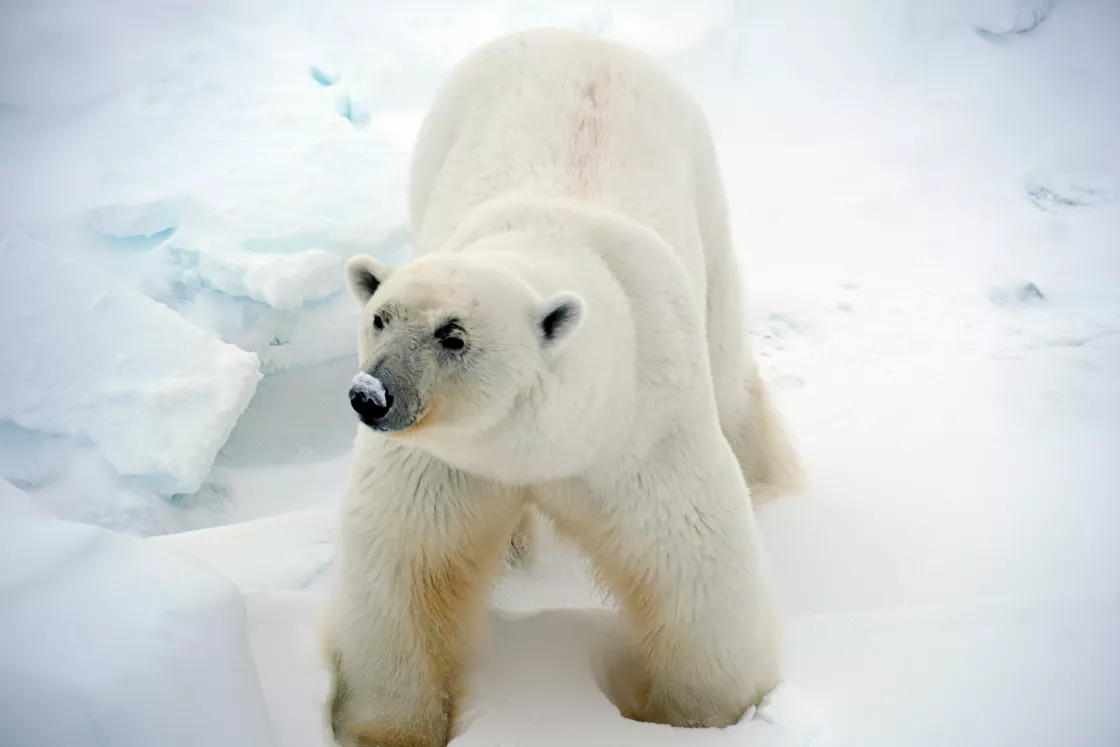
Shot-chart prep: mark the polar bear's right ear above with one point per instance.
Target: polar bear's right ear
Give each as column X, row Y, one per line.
column 559, row 316
column 364, row 275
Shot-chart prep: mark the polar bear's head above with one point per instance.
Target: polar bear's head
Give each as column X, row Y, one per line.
column 451, row 341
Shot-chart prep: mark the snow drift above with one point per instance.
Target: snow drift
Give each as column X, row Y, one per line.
column 107, row 639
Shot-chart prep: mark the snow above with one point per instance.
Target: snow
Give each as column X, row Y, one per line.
column 289, row 551
column 1000, row 18
column 566, row 706
column 924, row 198
column 14, row 503
column 1053, row 191
column 111, row 640
column 92, row 361
column 370, row 386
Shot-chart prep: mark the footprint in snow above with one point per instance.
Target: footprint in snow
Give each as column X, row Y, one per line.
column 1057, row 190
column 1016, row 294
column 1010, row 20
column 352, row 111
column 325, row 77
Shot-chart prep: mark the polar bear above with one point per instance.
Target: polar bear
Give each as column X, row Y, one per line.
column 568, row 338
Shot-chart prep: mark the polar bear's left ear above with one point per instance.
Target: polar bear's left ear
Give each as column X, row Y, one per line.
column 363, row 275
column 559, row 316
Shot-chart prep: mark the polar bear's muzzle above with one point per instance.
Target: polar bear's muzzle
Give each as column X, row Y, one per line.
column 382, row 403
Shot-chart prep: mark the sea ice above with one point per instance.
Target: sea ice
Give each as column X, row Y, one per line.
column 138, row 220
column 83, row 358
column 283, row 281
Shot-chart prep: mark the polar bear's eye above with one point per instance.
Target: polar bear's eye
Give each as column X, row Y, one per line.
column 379, row 322
column 446, row 335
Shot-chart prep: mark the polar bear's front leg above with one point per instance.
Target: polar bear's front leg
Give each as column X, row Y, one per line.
column 675, row 539
column 418, row 546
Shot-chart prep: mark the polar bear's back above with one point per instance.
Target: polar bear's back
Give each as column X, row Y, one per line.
column 552, row 113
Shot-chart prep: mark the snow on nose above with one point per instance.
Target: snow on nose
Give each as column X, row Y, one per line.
column 369, row 387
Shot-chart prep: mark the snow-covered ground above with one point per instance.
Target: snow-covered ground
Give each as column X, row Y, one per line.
column 924, row 193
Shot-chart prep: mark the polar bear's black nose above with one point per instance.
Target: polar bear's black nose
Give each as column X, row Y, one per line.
column 370, row 406
column 369, row 410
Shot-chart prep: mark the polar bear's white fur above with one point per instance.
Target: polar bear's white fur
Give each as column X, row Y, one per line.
column 569, row 338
